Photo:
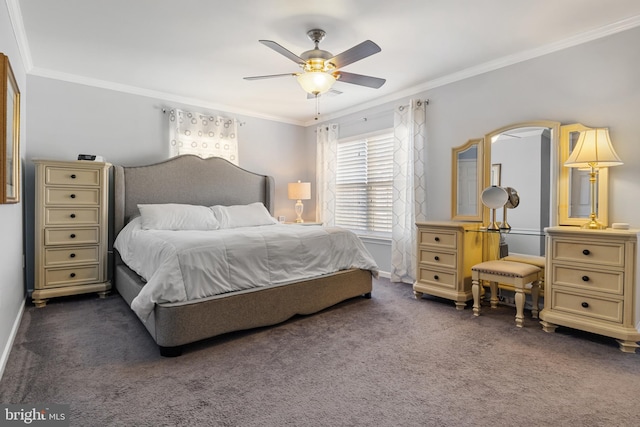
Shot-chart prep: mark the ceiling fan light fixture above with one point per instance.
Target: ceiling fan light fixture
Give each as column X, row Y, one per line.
column 316, row 82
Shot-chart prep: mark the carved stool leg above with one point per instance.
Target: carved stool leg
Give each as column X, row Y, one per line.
column 519, row 307
column 475, row 290
column 494, row 294
column 535, row 303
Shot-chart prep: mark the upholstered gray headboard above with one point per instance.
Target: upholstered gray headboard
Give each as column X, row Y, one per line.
column 187, row 179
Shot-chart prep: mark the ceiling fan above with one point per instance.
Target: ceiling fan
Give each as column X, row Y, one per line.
column 321, row 69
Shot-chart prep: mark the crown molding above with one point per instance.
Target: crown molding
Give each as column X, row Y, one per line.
column 15, row 16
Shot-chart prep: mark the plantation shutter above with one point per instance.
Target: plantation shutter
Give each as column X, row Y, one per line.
column 364, row 184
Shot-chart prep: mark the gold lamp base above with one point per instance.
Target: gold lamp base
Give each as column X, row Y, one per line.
column 593, row 224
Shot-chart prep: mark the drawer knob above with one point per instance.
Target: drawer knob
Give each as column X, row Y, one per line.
column 585, row 304
column 72, row 255
column 437, row 258
column 73, row 236
column 586, row 252
column 72, row 215
column 73, row 176
column 585, row 278
column 437, row 239
column 73, row 275
column 73, row 196
column 436, row 277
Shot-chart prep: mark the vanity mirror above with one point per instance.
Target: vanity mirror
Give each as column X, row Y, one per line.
column 467, row 172
column 573, row 187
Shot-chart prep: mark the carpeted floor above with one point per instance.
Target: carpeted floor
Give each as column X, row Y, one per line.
column 387, row 361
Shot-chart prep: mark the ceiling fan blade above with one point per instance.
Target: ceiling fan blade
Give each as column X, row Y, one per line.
column 283, row 51
column 359, row 79
column 270, row 76
column 356, row 53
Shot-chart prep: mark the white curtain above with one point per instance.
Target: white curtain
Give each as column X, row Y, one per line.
column 409, row 188
column 204, row 135
column 326, row 169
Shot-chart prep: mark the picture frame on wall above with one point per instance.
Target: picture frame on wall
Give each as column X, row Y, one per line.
column 496, row 172
column 9, row 134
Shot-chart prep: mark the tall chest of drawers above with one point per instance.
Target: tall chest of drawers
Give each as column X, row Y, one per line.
column 591, row 283
column 446, row 252
column 71, row 229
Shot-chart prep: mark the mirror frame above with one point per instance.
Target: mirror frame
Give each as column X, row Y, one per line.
column 477, row 217
column 9, row 134
column 563, row 184
column 555, row 165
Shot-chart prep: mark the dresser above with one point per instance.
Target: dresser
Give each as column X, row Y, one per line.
column 446, row 252
column 71, row 229
column 591, row 279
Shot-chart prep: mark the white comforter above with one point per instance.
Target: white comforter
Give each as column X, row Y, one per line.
column 187, row 265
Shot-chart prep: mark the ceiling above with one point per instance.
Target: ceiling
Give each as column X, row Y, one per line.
column 197, row 51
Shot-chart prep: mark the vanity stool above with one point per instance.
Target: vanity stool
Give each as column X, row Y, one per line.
column 517, row 274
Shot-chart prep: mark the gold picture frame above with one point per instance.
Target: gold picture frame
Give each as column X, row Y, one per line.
column 9, row 134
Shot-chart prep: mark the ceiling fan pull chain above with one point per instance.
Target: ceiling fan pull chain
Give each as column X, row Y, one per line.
column 317, row 106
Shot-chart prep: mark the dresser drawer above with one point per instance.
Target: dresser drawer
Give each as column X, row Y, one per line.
column 71, row 236
column 437, row 238
column 444, row 279
column 71, row 216
column 76, row 177
column 588, row 306
column 71, row 196
column 54, row 277
column 442, row 259
column 579, row 278
column 605, row 253
column 74, row 255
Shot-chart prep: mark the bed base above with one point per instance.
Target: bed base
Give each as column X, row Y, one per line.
column 174, row 325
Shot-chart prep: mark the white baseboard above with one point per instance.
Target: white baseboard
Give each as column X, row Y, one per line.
column 12, row 336
column 385, row 274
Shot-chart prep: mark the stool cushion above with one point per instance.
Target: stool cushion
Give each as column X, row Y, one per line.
column 506, row 268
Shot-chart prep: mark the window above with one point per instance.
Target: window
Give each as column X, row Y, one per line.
column 364, row 182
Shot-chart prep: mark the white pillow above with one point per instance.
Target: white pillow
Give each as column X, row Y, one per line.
column 173, row 216
column 243, row 215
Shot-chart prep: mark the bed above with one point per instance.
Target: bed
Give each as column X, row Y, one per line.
column 190, row 180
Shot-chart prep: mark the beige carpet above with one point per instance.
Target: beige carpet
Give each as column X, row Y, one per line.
column 387, row 361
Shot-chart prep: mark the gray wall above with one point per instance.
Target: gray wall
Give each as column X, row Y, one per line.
column 12, row 290
column 595, row 83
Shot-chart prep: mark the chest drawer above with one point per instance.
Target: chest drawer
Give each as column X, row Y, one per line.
column 588, row 306
column 71, row 216
column 437, row 238
column 439, row 278
column 71, row 236
column 65, row 176
column 602, row 281
column 600, row 253
column 71, row 196
column 442, row 259
column 65, row 256
column 54, row 277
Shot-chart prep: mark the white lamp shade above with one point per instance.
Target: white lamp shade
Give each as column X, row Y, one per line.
column 494, row 197
column 299, row 190
column 593, row 149
column 316, row 82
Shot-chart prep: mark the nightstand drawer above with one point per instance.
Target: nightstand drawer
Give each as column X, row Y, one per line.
column 71, row 196
column 70, row 276
column 71, row 236
column 603, row 281
column 71, row 216
column 604, row 253
column 441, row 259
column 437, row 238
column 75, row 177
column 589, row 306
column 443, row 279
column 66, row 256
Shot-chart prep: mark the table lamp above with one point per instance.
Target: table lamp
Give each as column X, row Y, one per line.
column 593, row 151
column 299, row 191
